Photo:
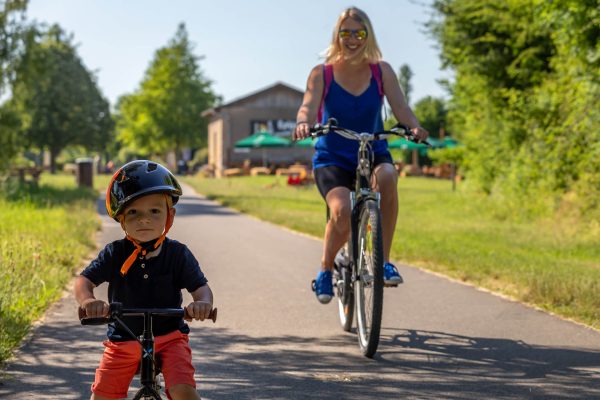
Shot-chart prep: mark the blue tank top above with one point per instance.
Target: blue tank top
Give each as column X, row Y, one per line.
column 361, row 114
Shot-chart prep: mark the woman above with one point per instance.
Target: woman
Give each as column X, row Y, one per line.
column 354, row 98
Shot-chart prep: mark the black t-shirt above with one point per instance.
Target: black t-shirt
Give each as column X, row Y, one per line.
column 150, row 283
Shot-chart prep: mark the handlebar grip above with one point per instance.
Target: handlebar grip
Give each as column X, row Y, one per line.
column 213, row 315
column 95, row 321
column 91, row 321
column 321, row 130
column 403, row 127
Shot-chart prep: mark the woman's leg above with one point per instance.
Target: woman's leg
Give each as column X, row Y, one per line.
column 386, row 183
column 338, row 226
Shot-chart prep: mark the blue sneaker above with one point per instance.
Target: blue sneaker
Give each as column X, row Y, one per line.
column 391, row 277
column 323, row 286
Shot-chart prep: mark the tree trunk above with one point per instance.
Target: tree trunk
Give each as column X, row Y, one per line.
column 53, row 155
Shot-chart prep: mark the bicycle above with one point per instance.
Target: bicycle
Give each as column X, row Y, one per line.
column 149, row 368
column 358, row 267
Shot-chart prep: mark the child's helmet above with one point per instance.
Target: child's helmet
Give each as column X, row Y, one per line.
column 138, row 178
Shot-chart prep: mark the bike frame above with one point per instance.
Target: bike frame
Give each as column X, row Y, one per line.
column 148, row 363
column 362, row 192
column 353, row 278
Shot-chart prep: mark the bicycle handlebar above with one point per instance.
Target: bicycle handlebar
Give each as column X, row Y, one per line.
column 116, row 310
column 331, row 126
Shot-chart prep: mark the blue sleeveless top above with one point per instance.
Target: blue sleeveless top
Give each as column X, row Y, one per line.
column 361, row 114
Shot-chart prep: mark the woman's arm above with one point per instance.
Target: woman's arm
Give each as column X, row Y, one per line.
column 400, row 107
column 307, row 114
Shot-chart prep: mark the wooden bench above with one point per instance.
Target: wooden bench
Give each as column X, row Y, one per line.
column 232, row 172
column 23, row 172
column 260, row 171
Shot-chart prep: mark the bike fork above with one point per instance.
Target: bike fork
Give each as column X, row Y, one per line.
column 147, row 372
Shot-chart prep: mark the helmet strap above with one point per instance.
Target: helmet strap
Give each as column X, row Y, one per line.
column 152, row 245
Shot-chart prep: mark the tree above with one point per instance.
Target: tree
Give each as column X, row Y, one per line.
column 57, row 98
column 11, row 37
column 526, row 95
column 165, row 112
column 405, row 74
column 432, row 114
column 11, row 41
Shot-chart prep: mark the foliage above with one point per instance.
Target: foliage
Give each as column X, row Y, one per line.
column 45, row 233
column 404, row 76
column 525, row 97
column 11, row 37
column 57, row 99
column 451, row 155
column 432, row 114
column 11, row 41
column 165, row 112
column 9, row 138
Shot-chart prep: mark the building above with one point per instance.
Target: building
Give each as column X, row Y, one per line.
column 272, row 109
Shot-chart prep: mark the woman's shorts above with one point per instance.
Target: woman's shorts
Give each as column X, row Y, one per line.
column 332, row 176
column 121, row 359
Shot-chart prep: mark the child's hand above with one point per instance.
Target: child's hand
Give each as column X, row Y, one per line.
column 198, row 310
column 95, row 308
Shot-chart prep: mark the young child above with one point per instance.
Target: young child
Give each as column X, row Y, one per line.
column 145, row 270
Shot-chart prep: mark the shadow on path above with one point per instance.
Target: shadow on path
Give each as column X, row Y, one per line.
column 60, row 361
column 431, row 365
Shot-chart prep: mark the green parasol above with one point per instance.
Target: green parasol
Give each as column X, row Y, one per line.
column 306, row 142
column 263, row 139
column 405, row 144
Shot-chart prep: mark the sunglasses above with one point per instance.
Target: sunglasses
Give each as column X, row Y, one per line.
column 358, row 34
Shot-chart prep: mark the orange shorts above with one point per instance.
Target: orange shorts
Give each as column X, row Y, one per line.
column 121, row 359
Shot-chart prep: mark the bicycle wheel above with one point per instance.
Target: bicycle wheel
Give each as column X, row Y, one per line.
column 343, row 287
column 368, row 287
column 147, row 393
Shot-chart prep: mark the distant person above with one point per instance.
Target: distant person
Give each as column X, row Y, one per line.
column 182, row 167
column 359, row 79
column 145, row 270
column 110, row 166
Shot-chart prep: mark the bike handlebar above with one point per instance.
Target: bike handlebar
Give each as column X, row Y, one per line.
column 331, row 126
column 116, row 310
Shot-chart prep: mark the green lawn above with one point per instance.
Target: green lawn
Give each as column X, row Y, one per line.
column 547, row 263
column 45, row 234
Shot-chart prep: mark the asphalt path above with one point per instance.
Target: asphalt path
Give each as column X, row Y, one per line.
column 273, row 340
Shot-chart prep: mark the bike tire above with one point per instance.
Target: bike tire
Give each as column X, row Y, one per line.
column 345, row 296
column 147, row 393
column 368, row 286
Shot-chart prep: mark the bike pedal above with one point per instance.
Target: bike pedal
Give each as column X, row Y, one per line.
column 390, row 285
column 313, row 285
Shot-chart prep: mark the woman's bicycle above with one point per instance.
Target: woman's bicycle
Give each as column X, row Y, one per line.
column 149, row 364
column 358, row 267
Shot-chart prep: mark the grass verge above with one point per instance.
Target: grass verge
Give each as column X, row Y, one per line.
column 552, row 264
column 45, row 232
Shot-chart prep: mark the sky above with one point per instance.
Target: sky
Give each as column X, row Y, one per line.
column 245, row 45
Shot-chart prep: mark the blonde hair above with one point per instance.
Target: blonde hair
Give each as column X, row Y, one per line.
column 369, row 52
